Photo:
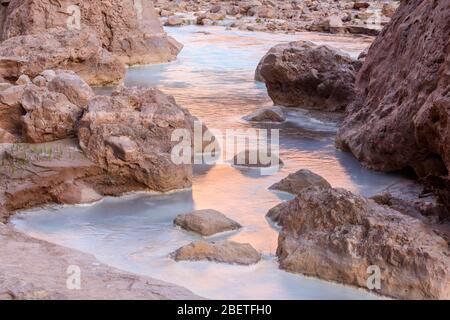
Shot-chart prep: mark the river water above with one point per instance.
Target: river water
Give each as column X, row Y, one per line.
column 213, row 78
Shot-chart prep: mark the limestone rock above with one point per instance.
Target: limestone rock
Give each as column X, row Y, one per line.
column 75, row 193
column 296, row 182
column 206, row 222
column 77, row 50
column 272, row 114
column 129, row 29
column 52, row 111
column 335, row 235
column 129, row 136
column 221, row 251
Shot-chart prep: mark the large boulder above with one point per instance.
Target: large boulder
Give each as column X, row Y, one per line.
column 336, row 235
column 53, row 108
column 220, row 251
column 302, row 74
column 128, row 28
column 206, row 222
column 401, row 114
column 129, row 134
column 298, row 181
column 77, row 50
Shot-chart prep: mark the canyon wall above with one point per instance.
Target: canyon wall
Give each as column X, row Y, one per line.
column 401, row 115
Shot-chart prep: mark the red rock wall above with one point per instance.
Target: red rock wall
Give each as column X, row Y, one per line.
column 401, row 117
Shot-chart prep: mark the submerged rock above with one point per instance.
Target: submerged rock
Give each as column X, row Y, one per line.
column 336, row 235
column 253, row 159
column 221, row 251
column 302, row 74
column 400, row 117
column 272, row 114
column 129, row 135
column 206, row 222
column 297, row 182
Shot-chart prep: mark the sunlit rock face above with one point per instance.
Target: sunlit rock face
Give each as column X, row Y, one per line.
column 400, row 117
column 130, row 29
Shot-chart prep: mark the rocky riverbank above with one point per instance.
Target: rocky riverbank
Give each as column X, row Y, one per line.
column 60, row 143
column 336, row 235
column 355, row 17
column 396, row 119
column 32, row 269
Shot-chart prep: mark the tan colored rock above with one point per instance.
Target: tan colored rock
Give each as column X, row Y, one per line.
column 6, row 137
column 12, row 95
column 77, row 50
column 11, row 110
column 75, row 193
column 31, row 172
column 335, row 235
column 53, row 111
column 72, row 86
column 206, row 222
column 272, row 114
column 129, row 29
column 302, row 74
column 35, row 269
column 389, row 9
column 221, row 251
column 129, row 136
column 174, row 21
column 296, row 182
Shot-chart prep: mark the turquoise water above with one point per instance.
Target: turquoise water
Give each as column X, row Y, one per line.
column 213, row 78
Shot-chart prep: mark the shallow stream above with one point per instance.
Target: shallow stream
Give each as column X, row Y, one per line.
column 213, row 78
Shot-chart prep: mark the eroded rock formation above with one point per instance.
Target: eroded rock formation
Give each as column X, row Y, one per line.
column 129, row 135
column 129, row 29
column 400, row 117
column 126, row 142
column 336, row 235
column 59, row 48
column 96, row 39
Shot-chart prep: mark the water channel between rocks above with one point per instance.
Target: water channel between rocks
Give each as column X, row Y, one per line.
column 213, row 78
